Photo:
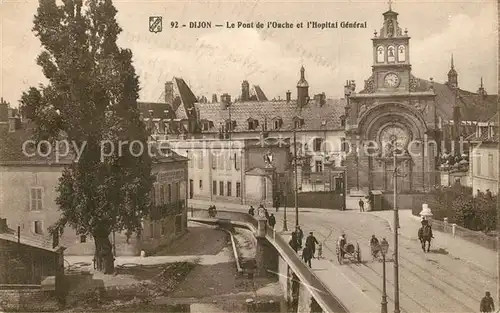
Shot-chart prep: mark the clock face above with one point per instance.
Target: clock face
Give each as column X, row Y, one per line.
column 392, row 80
column 394, row 137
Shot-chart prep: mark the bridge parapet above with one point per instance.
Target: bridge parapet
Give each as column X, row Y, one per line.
column 304, row 291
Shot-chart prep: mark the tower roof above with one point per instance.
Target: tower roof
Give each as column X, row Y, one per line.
column 302, row 82
column 452, row 68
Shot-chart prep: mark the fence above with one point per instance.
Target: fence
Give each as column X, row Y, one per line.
column 476, row 237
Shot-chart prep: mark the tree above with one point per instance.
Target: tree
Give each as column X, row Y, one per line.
column 91, row 101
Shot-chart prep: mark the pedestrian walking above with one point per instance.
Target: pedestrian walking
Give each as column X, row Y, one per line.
column 266, row 214
column 272, row 220
column 361, row 205
column 320, row 251
column 307, row 255
column 487, row 304
column 277, row 202
column 251, row 211
column 300, row 236
column 293, row 242
column 311, row 242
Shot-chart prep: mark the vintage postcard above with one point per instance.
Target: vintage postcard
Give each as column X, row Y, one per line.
column 249, row 156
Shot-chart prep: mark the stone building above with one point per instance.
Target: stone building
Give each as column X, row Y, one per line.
column 317, row 122
column 28, row 183
column 245, row 171
column 398, row 113
column 484, row 159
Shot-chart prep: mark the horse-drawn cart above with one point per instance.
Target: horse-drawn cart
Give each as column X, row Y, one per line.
column 349, row 251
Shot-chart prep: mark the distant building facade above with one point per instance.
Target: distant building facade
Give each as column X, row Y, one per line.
column 318, row 123
column 29, row 184
column 484, row 158
column 245, row 171
column 415, row 118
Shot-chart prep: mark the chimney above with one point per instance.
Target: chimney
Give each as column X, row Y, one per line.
column 214, row 98
column 245, row 91
column 225, row 101
column 4, row 111
column 288, row 96
column 169, row 92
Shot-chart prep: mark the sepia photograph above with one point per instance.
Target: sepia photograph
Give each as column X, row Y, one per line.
column 249, row 156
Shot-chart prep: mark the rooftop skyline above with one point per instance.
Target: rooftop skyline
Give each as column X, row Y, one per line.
column 217, row 60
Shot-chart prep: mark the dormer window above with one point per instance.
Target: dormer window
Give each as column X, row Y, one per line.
column 230, row 125
column 342, row 121
column 252, row 124
column 298, row 122
column 277, row 123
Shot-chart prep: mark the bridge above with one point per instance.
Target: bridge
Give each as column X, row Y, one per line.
column 301, row 286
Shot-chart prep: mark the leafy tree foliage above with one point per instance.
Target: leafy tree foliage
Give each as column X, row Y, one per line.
column 458, row 204
column 91, row 101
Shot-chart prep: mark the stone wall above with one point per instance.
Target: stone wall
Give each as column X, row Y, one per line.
column 28, row 300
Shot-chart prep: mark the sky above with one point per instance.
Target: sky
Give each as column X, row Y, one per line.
column 217, row 60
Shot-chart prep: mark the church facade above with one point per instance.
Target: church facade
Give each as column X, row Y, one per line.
column 392, row 124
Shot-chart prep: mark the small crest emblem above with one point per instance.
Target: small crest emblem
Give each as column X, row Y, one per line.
column 155, row 24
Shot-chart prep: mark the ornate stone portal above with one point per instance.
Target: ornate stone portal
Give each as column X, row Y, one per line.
column 393, row 116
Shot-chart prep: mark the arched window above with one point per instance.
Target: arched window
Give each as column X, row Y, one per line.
column 401, row 53
column 391, row 54
column 380, row 54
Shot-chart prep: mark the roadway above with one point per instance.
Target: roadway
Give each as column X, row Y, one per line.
column 429, row 282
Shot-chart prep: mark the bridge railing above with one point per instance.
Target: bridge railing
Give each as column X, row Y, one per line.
column 328, row 302
column 324, row 297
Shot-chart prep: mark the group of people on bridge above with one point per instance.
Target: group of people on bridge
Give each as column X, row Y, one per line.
column 262, row 212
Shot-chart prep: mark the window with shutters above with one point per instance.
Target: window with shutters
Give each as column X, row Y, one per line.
column 177, row 191
column 162, row 195
column 478, row 165
column 214, row 160
column 237, row 161
column 200, row 186
column 169, row 193
column 318, row 143
column 220, row 159
column 221, row 188
column 214, row 187
column 319, row 166
column 151, row 230
column 36, row 198
column 229, row 160
column 200, row 160
column 37, row 227
column 229, row 189
column 238, row 189
column 491, row 172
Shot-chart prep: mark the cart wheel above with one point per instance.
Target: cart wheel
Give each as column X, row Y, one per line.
column 358, row 250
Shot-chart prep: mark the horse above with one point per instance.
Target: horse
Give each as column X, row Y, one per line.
column 425, row 235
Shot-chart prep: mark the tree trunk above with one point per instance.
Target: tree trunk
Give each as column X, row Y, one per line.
column 104, row 259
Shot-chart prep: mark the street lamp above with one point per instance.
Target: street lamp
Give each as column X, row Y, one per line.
column 396, row 226
column 384, row 247
column 285, row 195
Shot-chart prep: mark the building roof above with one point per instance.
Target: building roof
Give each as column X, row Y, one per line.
column 259, row 94
column 11, row 149
column 31, row 241
column 257, row 171
column 315, row 117
column 473, row 106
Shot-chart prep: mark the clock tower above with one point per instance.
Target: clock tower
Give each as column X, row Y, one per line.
column 395, row 114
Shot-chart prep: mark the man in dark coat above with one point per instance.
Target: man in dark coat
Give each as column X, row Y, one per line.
column 487, row 304
column 277, row 202
column 272, row 220
column 251, row 211
column 311, row 242
column 266, row 214
column 293, row 241
column 307, row 255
